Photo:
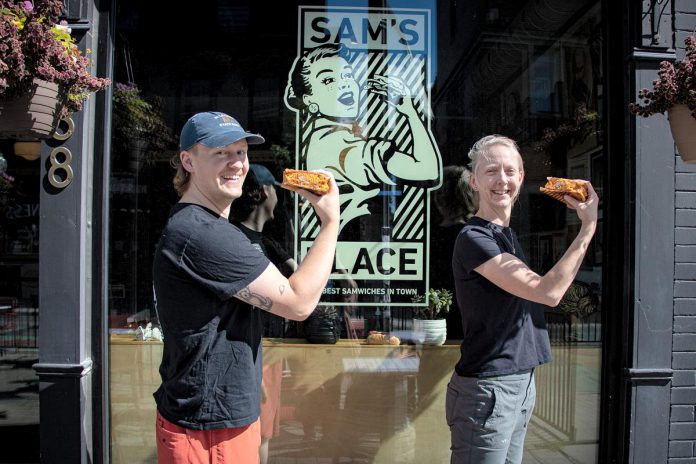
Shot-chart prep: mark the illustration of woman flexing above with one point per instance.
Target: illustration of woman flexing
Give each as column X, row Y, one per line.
column 327, row 96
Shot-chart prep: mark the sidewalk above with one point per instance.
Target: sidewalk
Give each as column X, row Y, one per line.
column 19, row 406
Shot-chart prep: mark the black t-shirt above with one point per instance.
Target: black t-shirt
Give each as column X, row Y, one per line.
column 503, row 334
column 273, row 326
column 211, row 362
column 442, row 239
column 268, row 246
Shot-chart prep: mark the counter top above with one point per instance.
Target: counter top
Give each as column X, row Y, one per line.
column 129, row 339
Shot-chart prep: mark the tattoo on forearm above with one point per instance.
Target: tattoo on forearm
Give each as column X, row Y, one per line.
column 281, row 289
column 255, row 299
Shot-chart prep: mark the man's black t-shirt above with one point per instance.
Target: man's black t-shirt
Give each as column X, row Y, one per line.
column 211, row 362
column 503, row 334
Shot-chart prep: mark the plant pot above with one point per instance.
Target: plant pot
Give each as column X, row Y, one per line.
column 138, row 153
column 683, row 126
column 33, row 116
column 430, row 332
column 320, row 329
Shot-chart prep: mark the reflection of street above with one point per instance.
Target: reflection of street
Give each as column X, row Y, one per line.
column 19, row 405
column 573, row 437
column 360, row 403
column 364, row 405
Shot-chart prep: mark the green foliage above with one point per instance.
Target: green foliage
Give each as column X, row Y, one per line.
column 583, row 124
column 36, row 44
column 325, row 312
column 675, row 84
column 136, row 118
column 283, row 156
column 6, row 182
column 439, row 302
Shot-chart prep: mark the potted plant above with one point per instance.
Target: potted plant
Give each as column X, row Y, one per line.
column 430, row 325
column 323, row 325
column 138, row 127
column 6, row 181
column 578, row 129
column 39, row 60
column 674, row 91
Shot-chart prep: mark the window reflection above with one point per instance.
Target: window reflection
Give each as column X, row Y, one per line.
column 529, row 70
column 19, row 301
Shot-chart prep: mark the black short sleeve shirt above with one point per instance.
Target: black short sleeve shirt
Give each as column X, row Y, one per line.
column 212, row 360
column 502, row 333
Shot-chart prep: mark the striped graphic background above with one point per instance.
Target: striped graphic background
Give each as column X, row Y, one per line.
column 380, row 119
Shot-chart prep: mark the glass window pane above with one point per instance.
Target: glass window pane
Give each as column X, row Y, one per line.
column 19, row 298
column 413, row 86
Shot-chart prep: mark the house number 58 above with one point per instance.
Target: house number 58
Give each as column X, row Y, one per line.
column 60, row 174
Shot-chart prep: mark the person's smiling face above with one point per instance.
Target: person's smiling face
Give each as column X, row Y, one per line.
column 333, row 88
column 218, row 173
column 498, row 178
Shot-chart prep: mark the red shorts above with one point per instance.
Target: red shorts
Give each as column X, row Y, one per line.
column 178, row 445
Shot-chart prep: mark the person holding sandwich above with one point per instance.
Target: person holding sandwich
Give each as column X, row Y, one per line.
column 491, row 394
column 211, row 285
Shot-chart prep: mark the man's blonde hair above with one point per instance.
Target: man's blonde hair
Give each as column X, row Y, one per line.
column 182, row 177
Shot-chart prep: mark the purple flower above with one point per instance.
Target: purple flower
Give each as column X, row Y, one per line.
column 675, row 85
column 31, row 50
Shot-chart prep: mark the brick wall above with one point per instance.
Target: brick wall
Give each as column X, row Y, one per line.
column 682, row 434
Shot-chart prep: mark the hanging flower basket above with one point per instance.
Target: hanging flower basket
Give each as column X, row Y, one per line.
column 674, row 91
column 683, row 127
column 31, row 116
column 37, row 48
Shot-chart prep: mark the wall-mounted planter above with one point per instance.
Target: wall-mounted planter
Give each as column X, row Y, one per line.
column 683, row 127
column 33, row 116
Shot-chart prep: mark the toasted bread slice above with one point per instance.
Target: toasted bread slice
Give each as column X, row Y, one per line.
column 314, row 181
column 558, row 187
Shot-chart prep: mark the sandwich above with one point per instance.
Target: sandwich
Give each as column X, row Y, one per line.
column 314, row 181
column 380, row 338
column 558, row 188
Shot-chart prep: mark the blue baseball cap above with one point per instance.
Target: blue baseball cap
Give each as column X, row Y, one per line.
column 214, row 129
column 263, row 175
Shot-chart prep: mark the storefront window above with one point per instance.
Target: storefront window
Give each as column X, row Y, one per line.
column 410, row 85
column 19, row 298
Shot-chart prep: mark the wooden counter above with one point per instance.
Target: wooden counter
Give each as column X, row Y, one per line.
column 359, row 402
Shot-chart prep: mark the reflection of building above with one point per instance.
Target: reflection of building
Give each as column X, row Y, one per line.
column 626, row 384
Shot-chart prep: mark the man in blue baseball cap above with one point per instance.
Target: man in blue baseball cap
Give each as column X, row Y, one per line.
column 263, row 175
column 211, row 285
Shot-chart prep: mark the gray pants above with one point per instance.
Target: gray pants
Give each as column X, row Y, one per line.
column 488, row 417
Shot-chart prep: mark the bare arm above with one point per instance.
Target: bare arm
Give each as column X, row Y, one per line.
column 296, row 297
column 512, row 275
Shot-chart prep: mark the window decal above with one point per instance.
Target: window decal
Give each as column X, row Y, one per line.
column 360, row 89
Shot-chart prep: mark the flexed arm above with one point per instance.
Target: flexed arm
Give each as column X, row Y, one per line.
column 512, row 275
column 296, row 297
column 424, row 162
